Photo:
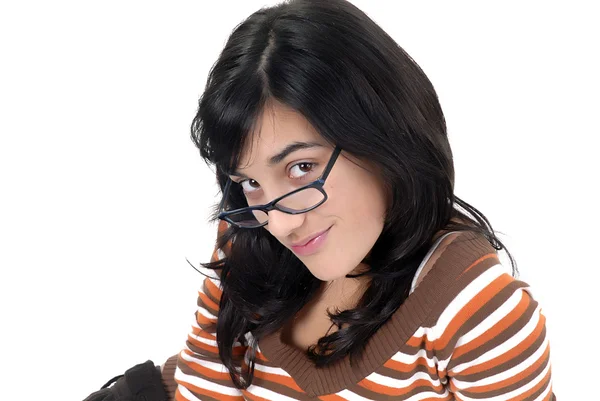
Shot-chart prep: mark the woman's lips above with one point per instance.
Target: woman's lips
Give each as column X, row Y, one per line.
column 311, row 246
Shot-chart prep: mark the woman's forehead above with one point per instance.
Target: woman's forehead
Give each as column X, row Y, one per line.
column 278, row 128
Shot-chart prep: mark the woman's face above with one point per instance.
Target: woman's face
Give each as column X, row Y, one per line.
column 352, row 217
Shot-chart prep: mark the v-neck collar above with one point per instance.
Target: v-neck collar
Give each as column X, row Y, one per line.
column 390, row 337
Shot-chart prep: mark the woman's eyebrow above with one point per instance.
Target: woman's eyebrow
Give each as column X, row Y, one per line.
column 277, row 158
column 292, row 147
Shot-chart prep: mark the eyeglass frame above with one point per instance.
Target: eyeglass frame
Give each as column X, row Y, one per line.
column 317, row 184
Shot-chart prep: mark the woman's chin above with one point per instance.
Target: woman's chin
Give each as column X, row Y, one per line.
column 323, row 274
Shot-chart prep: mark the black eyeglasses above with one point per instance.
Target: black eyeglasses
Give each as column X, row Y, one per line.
column 298, row 201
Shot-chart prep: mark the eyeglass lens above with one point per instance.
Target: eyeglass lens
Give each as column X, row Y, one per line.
column 297, row 202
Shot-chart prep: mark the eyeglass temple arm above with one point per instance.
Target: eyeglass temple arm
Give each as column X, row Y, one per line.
column 332, row 160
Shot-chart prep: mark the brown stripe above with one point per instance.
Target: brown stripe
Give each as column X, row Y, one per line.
column 522, row 382
column 206, row 325
column 212, row 291
column 430, row 351
column 202, row 397
column 378, row 396
column 203, row 353
column 167, row 376
column 200, row 303
column 405, row 375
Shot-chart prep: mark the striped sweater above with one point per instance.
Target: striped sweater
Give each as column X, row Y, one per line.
column 468, row 331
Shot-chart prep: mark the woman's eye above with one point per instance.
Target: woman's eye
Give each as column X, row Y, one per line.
column 297, row 172
column 301, row 169
column 249, row 186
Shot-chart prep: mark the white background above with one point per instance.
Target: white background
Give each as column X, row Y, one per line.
column 103, row 196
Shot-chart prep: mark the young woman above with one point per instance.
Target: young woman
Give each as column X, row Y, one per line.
column 346, row 267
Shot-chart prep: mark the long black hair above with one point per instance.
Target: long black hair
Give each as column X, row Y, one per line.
column 330, row 62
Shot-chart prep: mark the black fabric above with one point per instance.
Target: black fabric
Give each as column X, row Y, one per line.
column 139, row 383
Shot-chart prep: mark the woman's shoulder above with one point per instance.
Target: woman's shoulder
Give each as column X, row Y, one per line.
column 485, row 322
column 466, row 273
column 455, row 258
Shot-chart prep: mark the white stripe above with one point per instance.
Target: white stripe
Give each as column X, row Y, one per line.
column 512, row 372
column 410, row 359
column 210, row 342
column 514, row 393
column 493, row 318
column 399, row 383
column 204, row 312
column 428, row 394
column 424, row 332
column 187, row 394
column 216, row 282
column 507, row 345
column 545, row 393
column 206, row 341
column 442, row 364
column 217, row 367
column 205, row 384
column 464, row 297
column 220, row 254
column 350, row 396
column 433, row 362
column 269, row 369
column 268, row 394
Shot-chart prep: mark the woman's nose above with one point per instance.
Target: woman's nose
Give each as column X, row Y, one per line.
column 282, row 224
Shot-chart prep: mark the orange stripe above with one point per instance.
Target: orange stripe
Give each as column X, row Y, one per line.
column 252, row 397
column 449, row 397
column 495, row 330
column 283, row 380
column 331, row 397
column 381, row 389
column 261, row 357
column 223, row 225
column 204, row 334
column 213, row 289
column 201, row 319
column 203, row 370
column 207, row 301
column 213, row 394
column 510, row 354
column 215, row 255
column 476, row 303
column 481, row 259
column 206, row 347
column 415, row 341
